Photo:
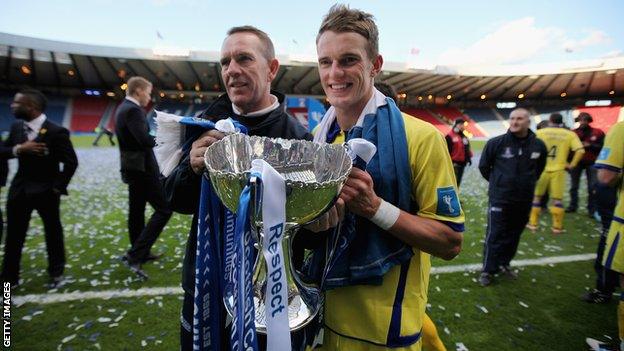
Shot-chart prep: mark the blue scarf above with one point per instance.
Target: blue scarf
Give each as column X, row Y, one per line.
column 367, row 259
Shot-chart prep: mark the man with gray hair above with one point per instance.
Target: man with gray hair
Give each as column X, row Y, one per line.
column 248, row 66
column 512, row 164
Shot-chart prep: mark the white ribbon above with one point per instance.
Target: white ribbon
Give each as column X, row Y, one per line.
column 362, row 148
column 273, row 220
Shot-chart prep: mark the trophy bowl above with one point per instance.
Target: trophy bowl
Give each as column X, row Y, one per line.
column 314, row 175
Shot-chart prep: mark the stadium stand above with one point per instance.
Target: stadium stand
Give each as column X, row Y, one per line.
column 87, row 112
column 489, row 120
column 450, row 114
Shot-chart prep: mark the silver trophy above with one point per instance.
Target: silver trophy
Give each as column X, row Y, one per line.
column 314, row 174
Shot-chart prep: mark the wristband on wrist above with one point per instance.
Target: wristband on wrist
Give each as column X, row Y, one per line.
column 386, row 215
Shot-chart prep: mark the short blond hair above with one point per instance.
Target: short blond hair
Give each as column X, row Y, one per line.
column 135, row 83
column 342, row 19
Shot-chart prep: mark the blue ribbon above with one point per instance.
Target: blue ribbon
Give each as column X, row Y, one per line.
column 243, row 336
column 214, row 222
column 207, row 311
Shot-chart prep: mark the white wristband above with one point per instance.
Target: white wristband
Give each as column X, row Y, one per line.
column 386, row 215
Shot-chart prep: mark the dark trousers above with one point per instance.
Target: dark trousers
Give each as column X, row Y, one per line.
column 141, row 190
column 575, row 176
column 606, row 197
column 505, row 225
column 19, row 211
column 459, row 171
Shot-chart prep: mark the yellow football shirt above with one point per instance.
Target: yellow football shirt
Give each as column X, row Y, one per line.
column 559, row 143
column 611, row 157
column 365, row 312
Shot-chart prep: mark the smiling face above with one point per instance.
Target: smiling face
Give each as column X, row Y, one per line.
column 347, row 72
column 246, row 72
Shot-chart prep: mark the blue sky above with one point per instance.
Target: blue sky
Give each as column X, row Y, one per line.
column 421, row 33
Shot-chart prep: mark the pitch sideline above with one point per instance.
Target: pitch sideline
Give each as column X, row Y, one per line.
column 45, row 299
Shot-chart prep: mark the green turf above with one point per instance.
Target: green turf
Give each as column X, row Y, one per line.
column 94, row 217
column 83, row 141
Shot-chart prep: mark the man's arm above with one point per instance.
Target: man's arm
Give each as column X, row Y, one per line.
column 426, row 234
column 137, row 126
column 6, row 147
column 578, row 155
column 608, row 177
column 65, row 154
column 182, row 188
column 485, row 163
column 541, row 163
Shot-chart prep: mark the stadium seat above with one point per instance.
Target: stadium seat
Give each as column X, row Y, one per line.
column 87, row 112
column 428, row 117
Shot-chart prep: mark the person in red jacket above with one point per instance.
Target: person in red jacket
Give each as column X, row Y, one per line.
column 459, row 148
column 592, row 139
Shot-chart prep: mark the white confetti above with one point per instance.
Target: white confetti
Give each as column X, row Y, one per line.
column 68, row 339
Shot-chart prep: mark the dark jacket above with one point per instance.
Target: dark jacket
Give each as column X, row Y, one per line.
column 595, row 138
column 38, row 174
column 135, row 142
column 512, row 166
column 182, row 186
column 4, row 171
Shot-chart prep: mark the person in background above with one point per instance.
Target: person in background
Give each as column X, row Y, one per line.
column 610, row 164
column 140, row 171
column 560, row 142
column 459, row 148
column 592, row 139
column 4, row 172
column 47, row 161
column 512, row 164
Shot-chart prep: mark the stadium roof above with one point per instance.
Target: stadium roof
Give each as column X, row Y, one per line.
column 62, row 65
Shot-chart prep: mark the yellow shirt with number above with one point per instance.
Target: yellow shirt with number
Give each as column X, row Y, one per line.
column 559, row 143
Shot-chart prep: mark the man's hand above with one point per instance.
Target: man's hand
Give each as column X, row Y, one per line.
column 32, row 148
column 358, row 194
column 330, row 219
column 199, row 148
column 568, row 167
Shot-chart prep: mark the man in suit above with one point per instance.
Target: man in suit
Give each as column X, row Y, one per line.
column 4, row 171
column 140, row 171
column 47, row 162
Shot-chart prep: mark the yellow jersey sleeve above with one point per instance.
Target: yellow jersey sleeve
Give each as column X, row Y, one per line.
column 612, row 154
column 434, row 188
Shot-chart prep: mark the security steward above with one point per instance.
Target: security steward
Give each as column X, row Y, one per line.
column 512, row 164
